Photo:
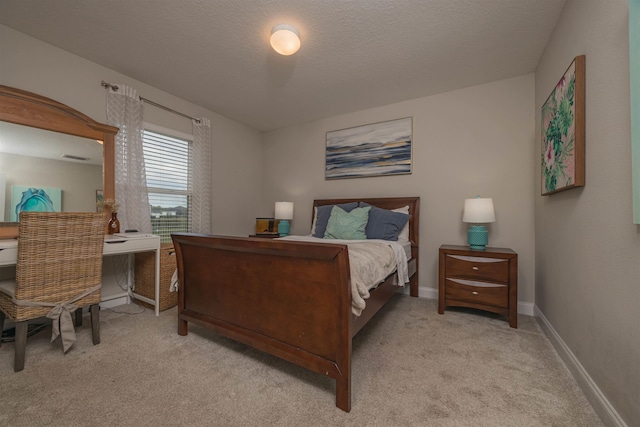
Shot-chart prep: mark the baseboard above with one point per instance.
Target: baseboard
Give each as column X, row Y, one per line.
column 525, row 308
column 428, row 293
column 598, row 400
column 431, row 293
column 114, row 302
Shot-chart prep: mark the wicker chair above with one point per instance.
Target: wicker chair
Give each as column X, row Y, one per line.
column 59, row 269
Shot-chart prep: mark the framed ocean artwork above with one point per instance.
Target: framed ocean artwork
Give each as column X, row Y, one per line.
column 376, row 149
column 563, row 126
column 34, row 199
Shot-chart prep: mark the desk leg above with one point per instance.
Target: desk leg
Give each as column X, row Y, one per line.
column 157, row 296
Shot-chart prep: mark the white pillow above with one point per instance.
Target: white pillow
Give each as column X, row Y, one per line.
column 404, row 233
column 315, row 217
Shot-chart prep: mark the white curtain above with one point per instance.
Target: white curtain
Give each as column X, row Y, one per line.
column 202, row 164
column 124, row 111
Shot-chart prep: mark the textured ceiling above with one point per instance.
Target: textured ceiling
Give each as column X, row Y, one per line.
column 355, row 54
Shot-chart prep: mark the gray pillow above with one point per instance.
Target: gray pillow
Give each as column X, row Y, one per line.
column 323, row 214
column 384, row 224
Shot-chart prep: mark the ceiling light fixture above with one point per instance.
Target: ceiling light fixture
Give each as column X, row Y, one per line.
column 285, row 39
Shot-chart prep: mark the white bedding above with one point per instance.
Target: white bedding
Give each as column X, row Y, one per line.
column 370, row 262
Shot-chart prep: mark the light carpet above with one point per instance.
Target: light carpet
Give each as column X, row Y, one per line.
column 411, row 367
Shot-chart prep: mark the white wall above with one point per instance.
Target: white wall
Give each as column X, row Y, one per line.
column 468, row 142
column 587, row 248
column 35, row 66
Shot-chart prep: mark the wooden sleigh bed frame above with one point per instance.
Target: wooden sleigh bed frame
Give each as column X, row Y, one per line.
column 289, row 299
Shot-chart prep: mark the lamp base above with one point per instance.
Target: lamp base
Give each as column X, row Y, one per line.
column 478, row 237
column 283, row 227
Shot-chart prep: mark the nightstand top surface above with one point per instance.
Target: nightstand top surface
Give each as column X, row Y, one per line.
column 488, row 249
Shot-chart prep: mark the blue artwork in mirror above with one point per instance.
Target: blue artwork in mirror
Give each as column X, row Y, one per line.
column 34, row 199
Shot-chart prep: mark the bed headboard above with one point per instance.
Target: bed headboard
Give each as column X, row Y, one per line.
column 385, row 203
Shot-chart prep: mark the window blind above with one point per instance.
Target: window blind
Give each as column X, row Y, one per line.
column 169, row 169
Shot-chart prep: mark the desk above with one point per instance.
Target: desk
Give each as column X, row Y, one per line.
column 112, row 246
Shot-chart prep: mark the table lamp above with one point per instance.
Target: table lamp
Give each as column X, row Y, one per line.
column 284, row 213
column 478, row 211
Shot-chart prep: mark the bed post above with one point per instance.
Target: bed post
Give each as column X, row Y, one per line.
column 343, row 392
column 343, row 380
column 414, row 236
column 183, row 328
column 413, row 280
column 343, row 355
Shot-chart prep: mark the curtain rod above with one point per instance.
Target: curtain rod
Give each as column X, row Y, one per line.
column 148, row 101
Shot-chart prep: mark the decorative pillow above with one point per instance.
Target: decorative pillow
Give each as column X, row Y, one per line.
column 322, row 217
column 347, row 225
column 384, row 224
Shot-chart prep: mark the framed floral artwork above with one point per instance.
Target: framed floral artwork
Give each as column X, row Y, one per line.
column 99, row 200
column 634, row 85
column 563, row 123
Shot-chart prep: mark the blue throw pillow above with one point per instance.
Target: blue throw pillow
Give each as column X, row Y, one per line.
column 347, row 225
column 323, row 214
column 384, row 224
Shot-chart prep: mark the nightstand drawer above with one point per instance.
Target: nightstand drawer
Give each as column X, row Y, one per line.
column 494, row 294
column 483, row 268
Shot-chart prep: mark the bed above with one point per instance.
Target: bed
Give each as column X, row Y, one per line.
column 289, row 298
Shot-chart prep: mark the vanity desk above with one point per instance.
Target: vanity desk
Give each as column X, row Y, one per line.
column 112, row 294
column 50, row 128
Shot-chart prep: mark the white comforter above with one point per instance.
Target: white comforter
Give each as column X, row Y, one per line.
column 370, row 262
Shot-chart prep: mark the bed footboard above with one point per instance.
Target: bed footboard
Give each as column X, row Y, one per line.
column 289, row 299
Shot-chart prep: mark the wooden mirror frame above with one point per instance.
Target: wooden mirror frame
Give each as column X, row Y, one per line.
column 30, row 109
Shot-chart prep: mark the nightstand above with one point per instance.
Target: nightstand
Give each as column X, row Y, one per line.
column 486, row 280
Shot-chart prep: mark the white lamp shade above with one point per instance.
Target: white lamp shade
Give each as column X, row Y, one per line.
column 285, row 39
column 478, row 210
column 284, row 210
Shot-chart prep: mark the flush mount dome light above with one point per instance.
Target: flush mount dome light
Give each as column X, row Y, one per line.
column 285, row 39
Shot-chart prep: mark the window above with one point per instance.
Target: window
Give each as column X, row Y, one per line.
column 169, row 166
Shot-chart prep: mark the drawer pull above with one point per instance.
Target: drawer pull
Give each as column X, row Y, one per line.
column 475, row 268
column 474, row 293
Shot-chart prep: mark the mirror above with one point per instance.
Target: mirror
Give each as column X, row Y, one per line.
column 37, row 158
column 31, row 115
